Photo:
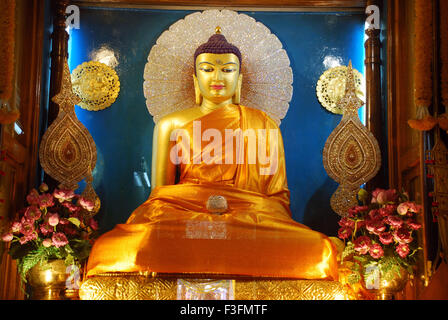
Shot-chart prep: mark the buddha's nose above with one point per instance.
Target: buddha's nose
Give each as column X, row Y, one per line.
column 217, row 75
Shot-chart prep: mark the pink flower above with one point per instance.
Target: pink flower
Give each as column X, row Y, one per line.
column 45, row 228
column 402, row 250
column 33, row 197
column 47, row 243
column 64, row 221
column 415, row 208
column 362, row 244
column 93, row 224
column 16, row 226
column 375, row 226
column 32, row 213
column 403, row 208
column 28, row 237
column 394, row 221
column 382, row 196
column 7, row 237
column 376, row 251
column 71, row 207
column 59, row 239
column 402, row 235
column 386, row 238
column 86, row 204
column 46, row 200
column 343, row 233
column 63, row 195
column 27, row 227
column 414, row 225
column 53, row 219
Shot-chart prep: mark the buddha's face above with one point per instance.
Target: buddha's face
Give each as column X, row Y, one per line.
column 217, row 76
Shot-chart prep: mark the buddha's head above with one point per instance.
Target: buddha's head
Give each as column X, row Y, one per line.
column 217, row 75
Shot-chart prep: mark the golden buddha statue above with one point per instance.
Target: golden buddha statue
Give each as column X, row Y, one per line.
column 219, row 204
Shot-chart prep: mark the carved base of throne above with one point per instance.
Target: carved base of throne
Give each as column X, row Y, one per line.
column 179, row 287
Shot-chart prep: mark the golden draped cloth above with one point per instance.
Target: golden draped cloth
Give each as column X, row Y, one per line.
column 173, row 232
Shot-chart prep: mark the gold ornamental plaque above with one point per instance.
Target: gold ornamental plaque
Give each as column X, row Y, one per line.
column 96, row 84
column 330, row 87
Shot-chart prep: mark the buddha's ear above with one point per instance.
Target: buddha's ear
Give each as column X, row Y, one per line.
column 197, row 91
column 237, row 96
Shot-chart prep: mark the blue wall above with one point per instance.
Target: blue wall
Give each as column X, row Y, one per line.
column 123, row 132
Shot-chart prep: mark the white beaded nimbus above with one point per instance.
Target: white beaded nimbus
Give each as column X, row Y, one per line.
column 267, row 75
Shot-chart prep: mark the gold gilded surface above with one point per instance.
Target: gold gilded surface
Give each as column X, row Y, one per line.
column 267, row 81
column 330, row 87
column 351, row 153
column 67, row 151
column 138, row 287
column 96, row 84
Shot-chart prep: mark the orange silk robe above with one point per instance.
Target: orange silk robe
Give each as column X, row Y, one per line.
column 173, row 232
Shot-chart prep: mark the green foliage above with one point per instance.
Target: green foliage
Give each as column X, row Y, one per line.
column 39, row 255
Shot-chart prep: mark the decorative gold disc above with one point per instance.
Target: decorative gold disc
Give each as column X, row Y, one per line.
column 331, row 87
column 96, row 84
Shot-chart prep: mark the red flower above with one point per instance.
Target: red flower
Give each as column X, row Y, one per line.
column 402, row 235
column 343, row 232
column 414, row 225
column 375, row 226
column 346, row 222
column 387, row 210
column 386, row 238
column 394, row 221
column 362, row 244
column 414, row 207
column 354, row 211
column 402, row 250
column 375, row 215
column 376, row 251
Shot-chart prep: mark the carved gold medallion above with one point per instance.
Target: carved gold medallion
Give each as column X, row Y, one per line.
column 96, row 84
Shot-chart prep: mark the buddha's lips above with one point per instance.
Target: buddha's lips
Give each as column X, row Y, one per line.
column 217, row 86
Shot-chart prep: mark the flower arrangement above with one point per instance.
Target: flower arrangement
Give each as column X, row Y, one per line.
column 54, row 226
column 380, row 235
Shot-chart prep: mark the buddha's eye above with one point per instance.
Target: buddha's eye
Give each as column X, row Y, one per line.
column 206, row 69
column 228, row 70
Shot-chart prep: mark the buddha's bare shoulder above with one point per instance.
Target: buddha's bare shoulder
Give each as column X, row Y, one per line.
column 179, row 118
